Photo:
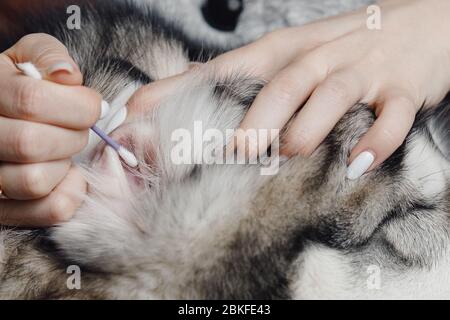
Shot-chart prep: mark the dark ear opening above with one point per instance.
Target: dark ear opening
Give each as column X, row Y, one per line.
column 222, row 14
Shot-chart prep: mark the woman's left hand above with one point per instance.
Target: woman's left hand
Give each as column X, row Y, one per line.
column 328, row 66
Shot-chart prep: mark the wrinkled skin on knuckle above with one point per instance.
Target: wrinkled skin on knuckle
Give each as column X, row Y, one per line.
column 27, row 98
column 33, row 38
column 284, row 90
column 336, row 89
column 28, row 40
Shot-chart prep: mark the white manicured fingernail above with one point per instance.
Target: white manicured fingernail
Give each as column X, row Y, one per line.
column 118, row 118
column 29, row 70
column 60, row 66
column 360, row 165
column 105, row 109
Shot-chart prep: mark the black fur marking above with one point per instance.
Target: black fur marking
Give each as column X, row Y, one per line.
column 250, row 271
column 122, row 66
column 218, row 14
column 226, row 90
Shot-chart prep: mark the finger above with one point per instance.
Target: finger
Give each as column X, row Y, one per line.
column 384, row 137
column 151, row 95
column 49, row 55
column 285, row 93
column 42, row 101
column 57, row 208
column 32, row 181
column 274, row 51
column 29, row 142
column 326, row 106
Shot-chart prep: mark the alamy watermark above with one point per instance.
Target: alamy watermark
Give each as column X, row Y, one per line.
column 210, row 147
column 373, row 281
column 374, row 17
column 74, row 280
column 74, row 19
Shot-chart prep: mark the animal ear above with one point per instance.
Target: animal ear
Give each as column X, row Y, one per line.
column 440, row 127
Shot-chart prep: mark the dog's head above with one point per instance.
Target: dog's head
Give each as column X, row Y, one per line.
column 180, row 229
column 223, row 230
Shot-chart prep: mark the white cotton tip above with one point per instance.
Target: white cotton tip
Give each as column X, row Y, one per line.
column 128, row 157
column 29, row 70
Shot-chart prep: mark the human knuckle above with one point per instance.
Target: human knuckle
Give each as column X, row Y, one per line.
column 27, row 99
column 43, row 39
column 402, row 99
column 29, row 38
column 285, row 89
column 337, row 88
column 34, row 183
column 25, row 143
column 61, row 208
column 314, row 61
column 311, row 59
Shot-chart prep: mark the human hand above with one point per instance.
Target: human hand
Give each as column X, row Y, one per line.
column 42, row 125
column 328, row 66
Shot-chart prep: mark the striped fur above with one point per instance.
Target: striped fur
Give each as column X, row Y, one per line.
column 225, row 231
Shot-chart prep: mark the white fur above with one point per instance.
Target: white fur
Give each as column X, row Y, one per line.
column 328, row 274
column 324, row 274
column 426, row 167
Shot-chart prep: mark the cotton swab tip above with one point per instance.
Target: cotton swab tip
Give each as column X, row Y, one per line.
column 29, row 70
column 128, row 157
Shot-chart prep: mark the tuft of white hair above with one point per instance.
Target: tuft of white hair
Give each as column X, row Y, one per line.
column 128, row 157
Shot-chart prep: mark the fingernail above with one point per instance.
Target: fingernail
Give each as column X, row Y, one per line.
column 105, row 109
column 360, row 165
column 119, row 117
column 60, row 66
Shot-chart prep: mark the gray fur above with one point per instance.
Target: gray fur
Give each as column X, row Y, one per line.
column 225, row 231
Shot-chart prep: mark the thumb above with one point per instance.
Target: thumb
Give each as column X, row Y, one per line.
column 151, row 95
column 49, row 55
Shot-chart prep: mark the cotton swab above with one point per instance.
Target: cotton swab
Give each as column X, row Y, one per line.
column 127, row 156
column 124, row 153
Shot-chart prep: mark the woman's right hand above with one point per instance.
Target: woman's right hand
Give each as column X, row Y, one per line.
column 43, row 123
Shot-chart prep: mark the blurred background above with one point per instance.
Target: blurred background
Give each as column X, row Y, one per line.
column 219, row 22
